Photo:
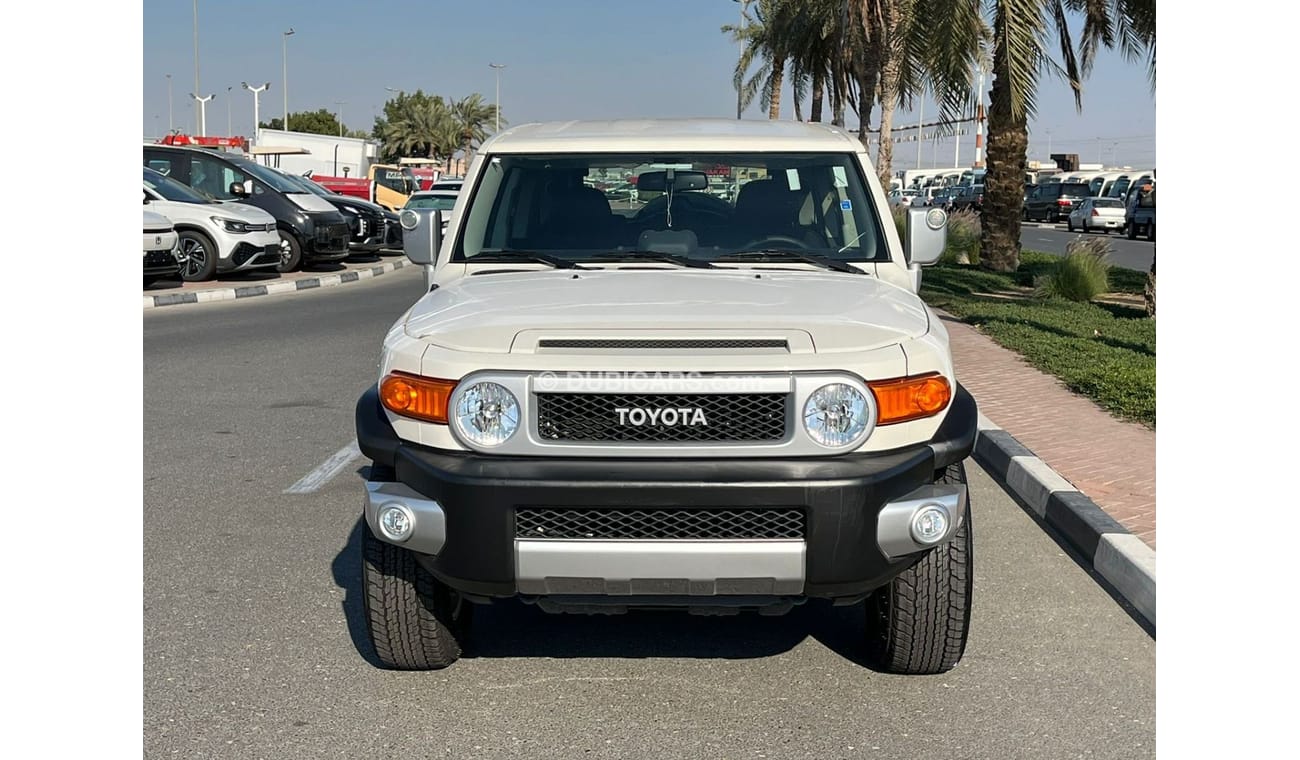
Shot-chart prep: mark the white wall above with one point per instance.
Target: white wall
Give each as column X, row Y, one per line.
column 353, row 153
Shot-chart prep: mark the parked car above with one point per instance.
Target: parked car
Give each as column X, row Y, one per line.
column 903, row 197
column 367, row 222
column 453, row 183
column 541, row 373
column 310, row 227
column 1103, row 214
column 438, row 200
column 970, row 199
column 162, row 255
column 1140, row 215
column 945, row 197
column 1054, row 201
column 215, row 236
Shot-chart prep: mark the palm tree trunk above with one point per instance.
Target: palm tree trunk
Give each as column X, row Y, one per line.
column 1005, row 181
column 838, row 98
column 818, row 94
column 866, row 65
column 778, row 79
column 891, row 64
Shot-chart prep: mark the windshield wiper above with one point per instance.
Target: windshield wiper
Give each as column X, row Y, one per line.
column 769, row 254
column 507, row 254
column 668, row 258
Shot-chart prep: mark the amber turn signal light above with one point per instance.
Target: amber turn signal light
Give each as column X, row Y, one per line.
column 421, row 398
column 910, row 398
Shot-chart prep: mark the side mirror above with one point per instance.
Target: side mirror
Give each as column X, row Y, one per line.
column 925, row 235
column 421, row 234
column 241, row 189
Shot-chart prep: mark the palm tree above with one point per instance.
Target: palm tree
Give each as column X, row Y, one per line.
column 1023, row 30
column 766, row 37
column 471, row 116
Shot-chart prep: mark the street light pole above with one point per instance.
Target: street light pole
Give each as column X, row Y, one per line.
column 199, row 113
column 741, row 25
column 339, row 117
column 498, row 67
column 170, row 126
column 203, row 112
column 284, row 37
column 229, row 129
column 257, row 122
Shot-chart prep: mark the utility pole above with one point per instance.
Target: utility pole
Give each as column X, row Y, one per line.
column 498, row 67
column 920, row 111
column 285, row 81
column 979, row 121
column 230, row 130
column 339, row 117
column 170, row 126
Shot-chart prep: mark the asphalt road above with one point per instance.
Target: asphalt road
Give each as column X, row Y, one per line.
column 255, row 647
column 1130, row 254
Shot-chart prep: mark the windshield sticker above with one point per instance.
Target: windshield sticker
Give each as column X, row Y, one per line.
column 792, row 178
column 840, row 179
column 846, row 205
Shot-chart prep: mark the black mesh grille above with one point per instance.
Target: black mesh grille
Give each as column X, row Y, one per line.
column 661, row 417
column 699, row 524
column 646, row 343
column 156, row 259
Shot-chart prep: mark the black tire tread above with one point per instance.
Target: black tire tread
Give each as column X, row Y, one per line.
column 918, row 624
column 409, row 613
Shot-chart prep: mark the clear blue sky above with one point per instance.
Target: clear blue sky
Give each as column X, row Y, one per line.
column 566, row 59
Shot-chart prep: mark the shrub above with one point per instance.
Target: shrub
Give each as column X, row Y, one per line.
column 1082, row 274
column 963, row 239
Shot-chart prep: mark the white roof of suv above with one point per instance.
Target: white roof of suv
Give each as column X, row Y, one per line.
column 723, row 135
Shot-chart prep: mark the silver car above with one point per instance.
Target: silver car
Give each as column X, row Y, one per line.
column 1103, row 214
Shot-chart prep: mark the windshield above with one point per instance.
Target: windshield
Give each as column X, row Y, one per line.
column 170, row 189
column 803, row 202
column 435, row 202
column 272, row 178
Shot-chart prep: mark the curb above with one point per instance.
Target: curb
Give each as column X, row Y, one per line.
column 1123, row 559
column 273, row 288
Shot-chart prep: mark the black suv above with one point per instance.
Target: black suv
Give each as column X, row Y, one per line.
column 1053, row 202
column 311, row 228
column 368, row 222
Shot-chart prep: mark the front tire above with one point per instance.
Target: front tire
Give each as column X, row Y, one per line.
column 918, row 624
column 415, row 621
column 290, row 253
column 201, row 256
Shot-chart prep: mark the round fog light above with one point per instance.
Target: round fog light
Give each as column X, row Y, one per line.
column 929, row 525
column 396, row 522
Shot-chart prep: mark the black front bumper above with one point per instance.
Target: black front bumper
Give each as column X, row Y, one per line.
column 841, row 496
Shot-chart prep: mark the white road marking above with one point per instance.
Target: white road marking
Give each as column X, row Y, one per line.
column 327, row 470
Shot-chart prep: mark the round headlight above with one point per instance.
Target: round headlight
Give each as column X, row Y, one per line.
column 936, row 218
column 836, row 415
column 409, row 219
column 486, row 414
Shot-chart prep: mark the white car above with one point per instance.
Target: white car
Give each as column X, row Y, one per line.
column 695, row 404
column 1103, row 214
column 905, row 197
column 162, row 255
column 215, row 236
column 438, row 200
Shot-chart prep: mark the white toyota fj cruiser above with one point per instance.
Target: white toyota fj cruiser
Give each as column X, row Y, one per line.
column 670, row 400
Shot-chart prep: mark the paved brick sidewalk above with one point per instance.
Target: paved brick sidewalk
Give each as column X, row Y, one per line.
column 1112, row 461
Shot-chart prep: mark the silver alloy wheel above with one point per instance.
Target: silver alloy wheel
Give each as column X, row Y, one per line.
column 196, row 255
column 286, row 252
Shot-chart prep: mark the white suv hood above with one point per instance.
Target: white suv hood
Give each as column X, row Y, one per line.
column 839, row 311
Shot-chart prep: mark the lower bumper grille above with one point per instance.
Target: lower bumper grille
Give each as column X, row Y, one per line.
column 662, row 524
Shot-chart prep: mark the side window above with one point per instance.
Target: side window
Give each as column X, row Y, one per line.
column 1037, row 193
column 160, row 164
column 391, row 179
column 214, row 177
